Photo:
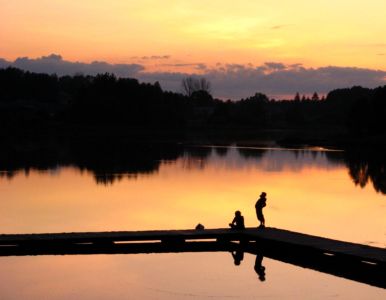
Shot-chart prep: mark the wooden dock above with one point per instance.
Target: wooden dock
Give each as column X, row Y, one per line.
column 330, row 247
column 270, row 236
column 349, row 260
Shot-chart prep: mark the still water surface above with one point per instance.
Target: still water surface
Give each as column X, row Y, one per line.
column 312, row 191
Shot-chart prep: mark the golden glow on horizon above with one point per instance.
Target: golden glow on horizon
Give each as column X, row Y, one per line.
column 315, row 33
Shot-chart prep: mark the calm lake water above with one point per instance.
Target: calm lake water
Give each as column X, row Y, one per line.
column 327, row 193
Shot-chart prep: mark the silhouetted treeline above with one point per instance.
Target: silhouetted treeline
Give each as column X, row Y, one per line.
column 39, row 102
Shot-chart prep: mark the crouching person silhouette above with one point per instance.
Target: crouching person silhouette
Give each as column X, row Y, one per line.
column 238, row 221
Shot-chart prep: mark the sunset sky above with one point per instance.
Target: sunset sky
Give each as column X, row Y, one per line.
column 268, row 46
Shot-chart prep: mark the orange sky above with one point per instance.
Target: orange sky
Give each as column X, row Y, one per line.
column 315, row 33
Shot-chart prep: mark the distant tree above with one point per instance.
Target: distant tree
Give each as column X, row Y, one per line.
column 202, row 97
column 157, row 86
column 193, row 84
column 259, row 97
column 297, row 97
column 315, row 97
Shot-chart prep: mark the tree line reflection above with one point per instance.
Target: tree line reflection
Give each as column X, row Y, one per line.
column 110, row 160
column 367, row 166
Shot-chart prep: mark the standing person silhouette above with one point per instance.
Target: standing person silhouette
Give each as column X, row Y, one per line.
column 260, row 204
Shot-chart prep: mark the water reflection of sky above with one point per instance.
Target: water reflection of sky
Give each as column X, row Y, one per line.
column 308, row 191
column 168, row 276
column 272, row 160
column 117, row 161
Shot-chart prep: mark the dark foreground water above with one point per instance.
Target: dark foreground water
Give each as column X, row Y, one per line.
column 333, row 194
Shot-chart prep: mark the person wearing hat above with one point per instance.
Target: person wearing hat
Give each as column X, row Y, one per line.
column 260, row 204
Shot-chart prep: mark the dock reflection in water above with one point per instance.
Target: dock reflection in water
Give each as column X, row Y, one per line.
column 187, row 275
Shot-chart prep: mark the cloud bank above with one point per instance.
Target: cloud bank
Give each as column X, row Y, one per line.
column 229, row 81
column 55, row 64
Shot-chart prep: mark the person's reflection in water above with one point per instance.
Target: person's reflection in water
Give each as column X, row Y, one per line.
column 259, row 268
column 238, row 256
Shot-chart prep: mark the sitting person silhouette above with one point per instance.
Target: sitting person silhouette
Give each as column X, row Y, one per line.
column 238, row 221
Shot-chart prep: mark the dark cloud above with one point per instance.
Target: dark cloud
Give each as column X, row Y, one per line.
column 275, row 66
column 55, row 64
column 295, row 66
column 179, row 65
column 238, row 81
column 201, row 66
column 241, row 81
column 4, row 63
column 156, row 57
column 182, row 65
column 229, row 81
